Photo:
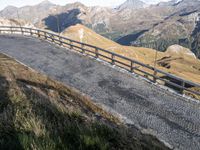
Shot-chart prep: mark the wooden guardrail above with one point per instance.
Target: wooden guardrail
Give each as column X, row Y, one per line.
column 131, row 65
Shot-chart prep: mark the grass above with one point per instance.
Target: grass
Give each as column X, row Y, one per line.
column 182, row 66
column 39, row 113
column 187, row 68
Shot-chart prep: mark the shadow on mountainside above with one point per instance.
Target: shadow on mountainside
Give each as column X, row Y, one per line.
column 129, row 39
column 8, row 135
column 60, row 22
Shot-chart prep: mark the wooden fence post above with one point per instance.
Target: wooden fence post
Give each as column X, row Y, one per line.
column 22, row 31
column 83, row 50
column 31, row 31
column 113, row 59
column 132, row 70
column 71, row 46
column 60, row 40
column 97, row 52
column 52, row 38
column 38, row 32
column 183, row 87
column 45, row 35
column 155, row 74
column 11, row 30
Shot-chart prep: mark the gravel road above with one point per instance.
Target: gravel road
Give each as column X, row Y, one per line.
column 172, row 118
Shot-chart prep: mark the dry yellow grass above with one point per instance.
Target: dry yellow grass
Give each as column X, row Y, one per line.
column 182, row 66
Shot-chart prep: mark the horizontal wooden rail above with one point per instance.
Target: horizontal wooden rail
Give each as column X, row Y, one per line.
column 105, row 55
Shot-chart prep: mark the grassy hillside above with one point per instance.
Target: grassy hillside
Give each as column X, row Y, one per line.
column 39, row 113
column 15, row 22
column 182, row 65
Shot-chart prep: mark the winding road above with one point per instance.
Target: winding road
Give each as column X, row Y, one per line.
column 172, row 118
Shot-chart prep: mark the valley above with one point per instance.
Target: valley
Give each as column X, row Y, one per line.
column 154, row 26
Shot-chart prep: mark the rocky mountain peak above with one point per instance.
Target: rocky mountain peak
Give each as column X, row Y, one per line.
column 45, row 2
column 132, row 4
column 10, row 7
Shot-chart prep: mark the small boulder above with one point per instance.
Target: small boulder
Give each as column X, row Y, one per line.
column 180, row 51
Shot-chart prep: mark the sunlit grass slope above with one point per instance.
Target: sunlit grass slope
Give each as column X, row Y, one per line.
column 181, row 64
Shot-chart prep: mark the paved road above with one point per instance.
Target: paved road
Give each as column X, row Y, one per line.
column 171, row 118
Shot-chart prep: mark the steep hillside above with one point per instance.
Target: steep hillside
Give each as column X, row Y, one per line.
column 37, row 112
column 86, row 35
column 177, row 60
column 15, row 22
column 83, row 34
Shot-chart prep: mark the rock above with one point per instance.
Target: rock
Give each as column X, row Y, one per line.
column 180, row 51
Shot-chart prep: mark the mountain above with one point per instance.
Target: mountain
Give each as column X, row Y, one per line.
column 103, row 20
column 156, row 26
column 45, row 15
column 170, row 3
column 179, row 26
column 176, row 59
column 33, row 14
column 132, row 4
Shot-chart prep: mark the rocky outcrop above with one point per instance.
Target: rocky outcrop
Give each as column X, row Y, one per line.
column 132, row 4
column 180, row 51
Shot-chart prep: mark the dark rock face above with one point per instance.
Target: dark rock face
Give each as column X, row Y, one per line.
column 68, row 19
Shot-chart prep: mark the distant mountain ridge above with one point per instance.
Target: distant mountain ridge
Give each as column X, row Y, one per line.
column 132, row 23
column 132, row 4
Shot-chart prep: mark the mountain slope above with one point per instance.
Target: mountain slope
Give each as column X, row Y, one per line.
column 180, row 61
column 83, row 34
column 86, row 35
column 176, row 28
